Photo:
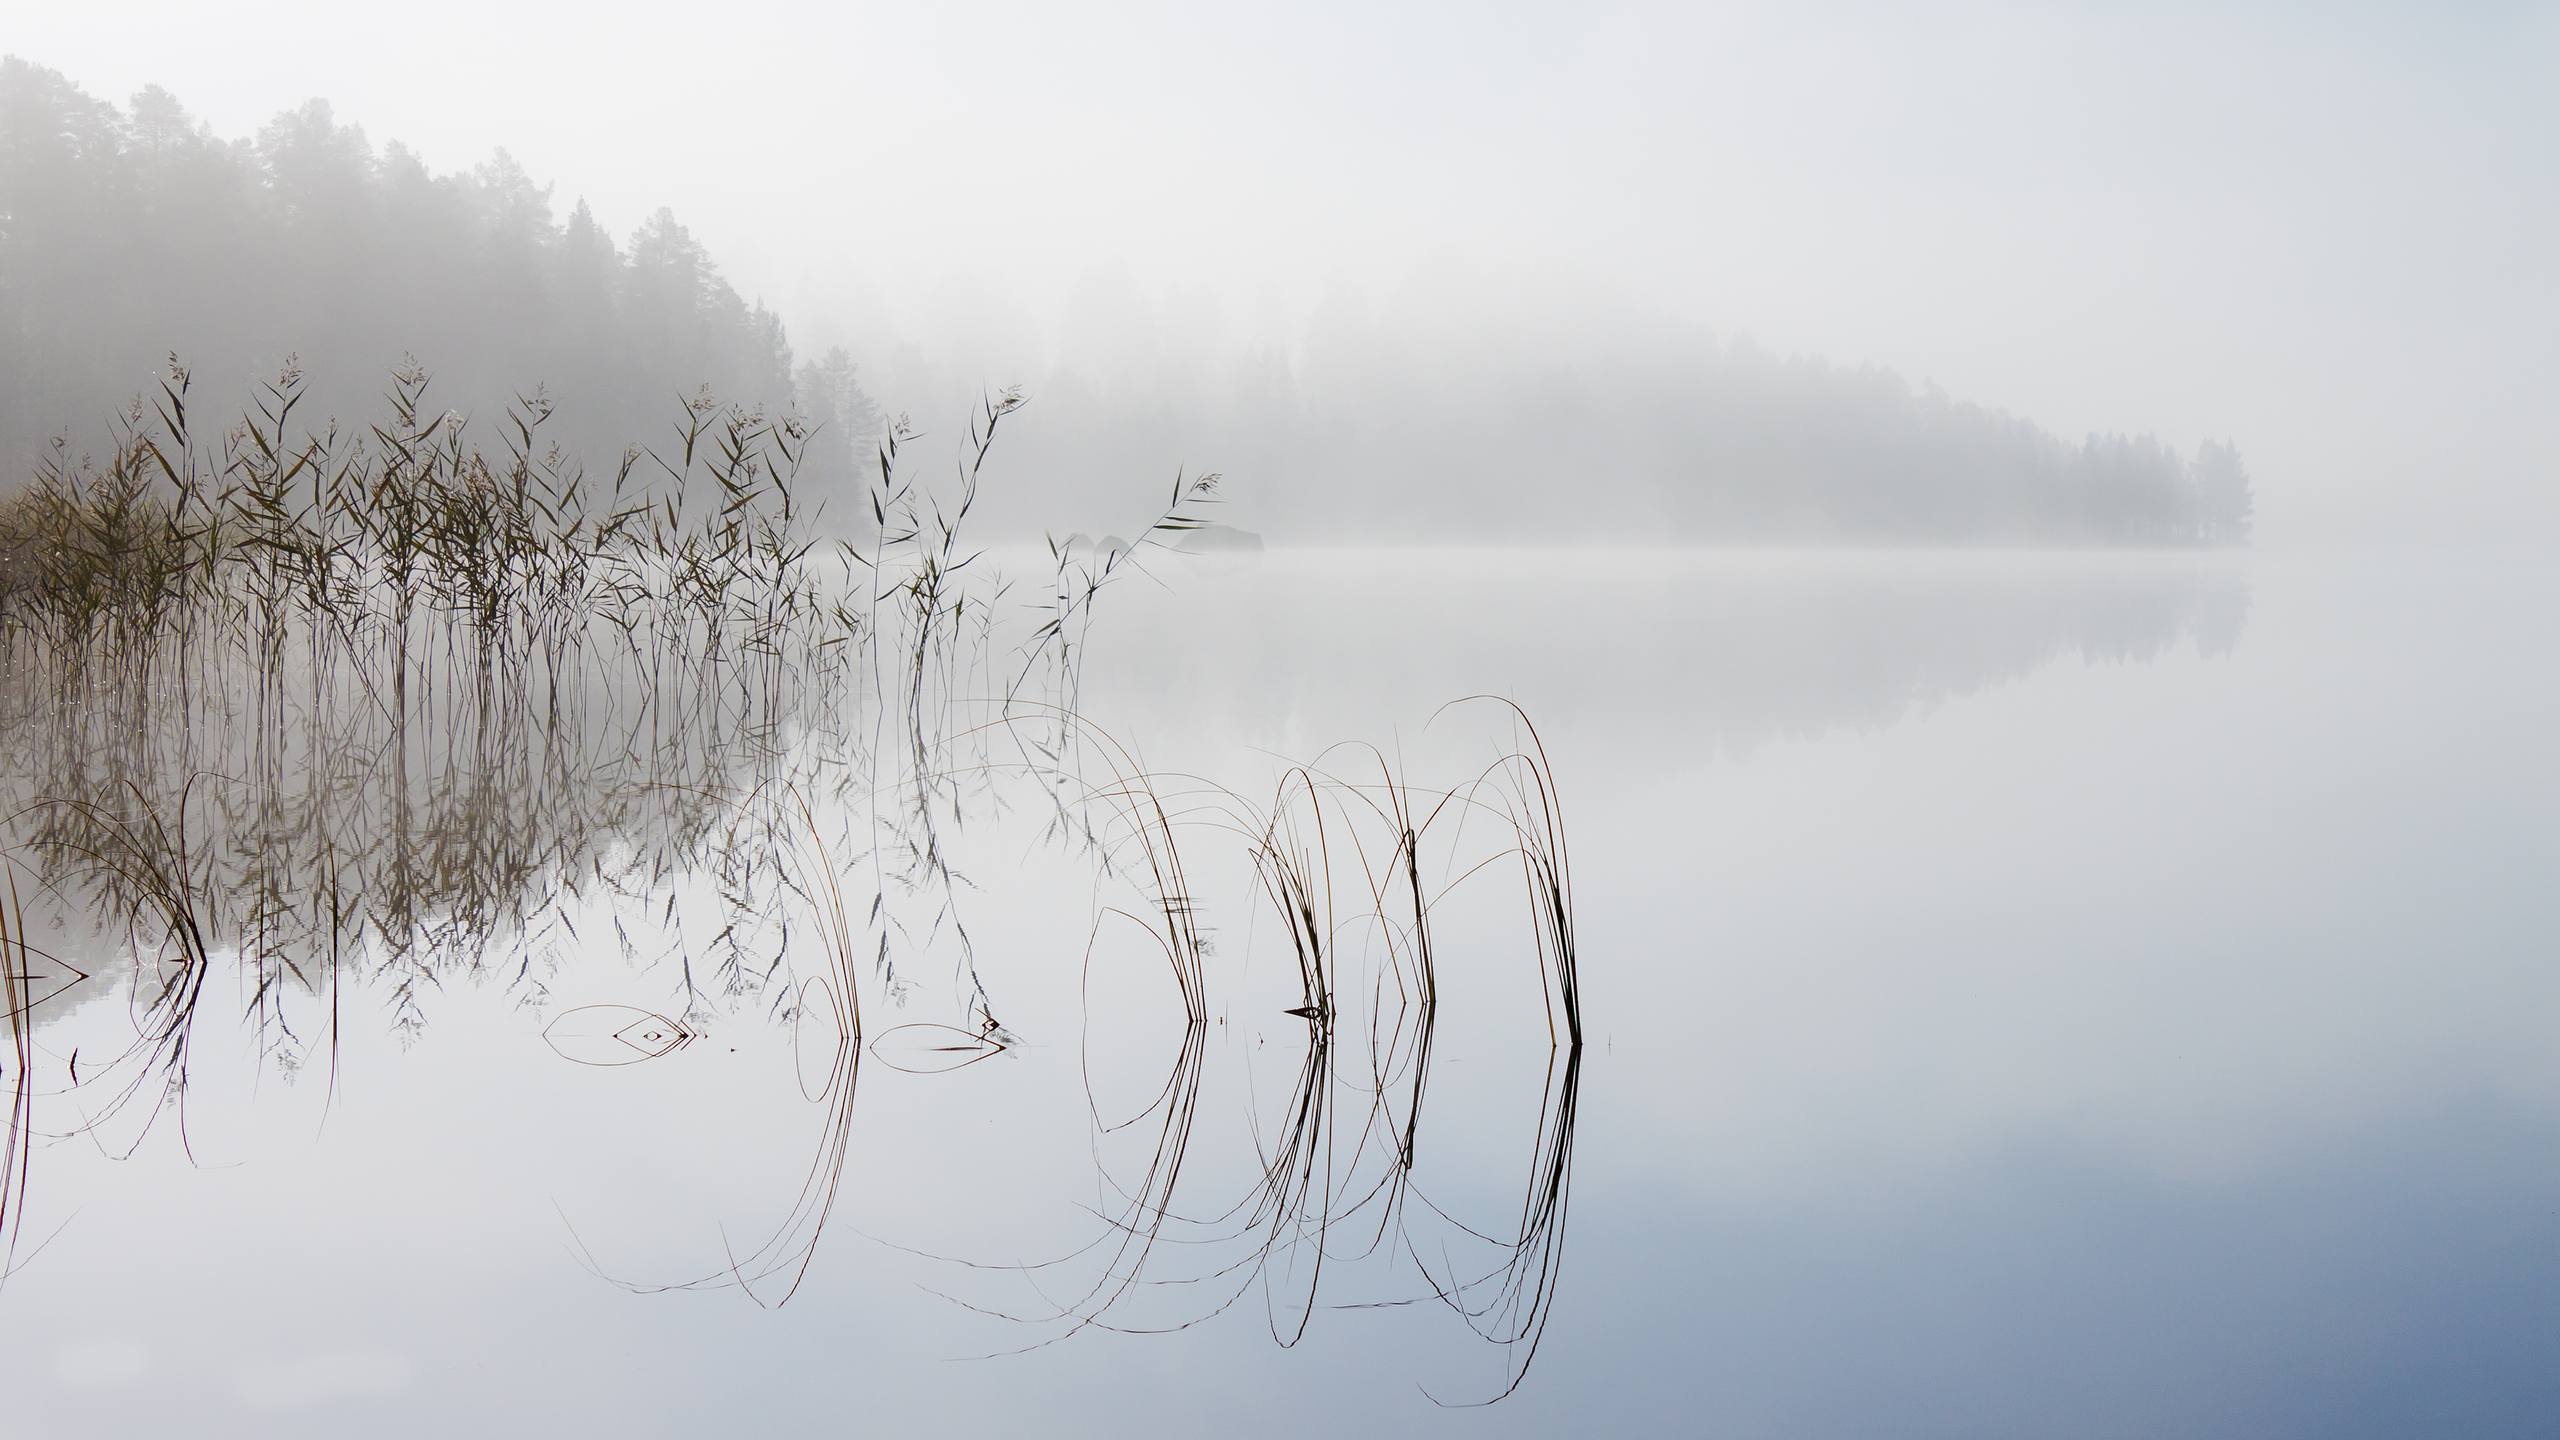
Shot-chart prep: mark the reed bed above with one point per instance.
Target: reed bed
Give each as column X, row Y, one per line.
column 424, row 677
column 1350, row 862
column 397, row 707
column 405, row 556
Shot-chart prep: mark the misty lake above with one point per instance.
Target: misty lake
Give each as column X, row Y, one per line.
column 2035, row 994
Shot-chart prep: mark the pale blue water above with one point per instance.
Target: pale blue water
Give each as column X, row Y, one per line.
column 2026, row 995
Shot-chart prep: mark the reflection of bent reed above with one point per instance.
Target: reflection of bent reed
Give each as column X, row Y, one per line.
column 15, row 958
column 793, row 1245
column 145, row 864
column 1346, row 864
column 1336, row 858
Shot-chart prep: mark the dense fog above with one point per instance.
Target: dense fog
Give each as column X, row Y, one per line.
column 1933, row 608
column 2325, row 243
column 135, row 233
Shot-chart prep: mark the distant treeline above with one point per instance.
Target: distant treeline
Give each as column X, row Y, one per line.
column 1387, row 429
column 1722, row 441
column 130, row 233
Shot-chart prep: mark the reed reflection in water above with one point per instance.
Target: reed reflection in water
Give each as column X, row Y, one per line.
column 267, row 822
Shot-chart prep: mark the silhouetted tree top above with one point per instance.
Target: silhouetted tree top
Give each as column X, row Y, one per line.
column 128, row 234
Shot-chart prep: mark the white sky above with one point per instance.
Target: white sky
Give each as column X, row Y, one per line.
column 2325, row 231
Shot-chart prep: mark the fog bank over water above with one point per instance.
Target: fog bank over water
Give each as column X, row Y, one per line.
column 2324, row 238
column 145, row 252
column 2036, row 1000
column 1705, row 654
column 1460, row 720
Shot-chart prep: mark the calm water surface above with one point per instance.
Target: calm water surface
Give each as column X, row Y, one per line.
column 2025, row 995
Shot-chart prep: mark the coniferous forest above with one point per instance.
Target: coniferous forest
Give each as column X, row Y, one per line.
column 132, row 233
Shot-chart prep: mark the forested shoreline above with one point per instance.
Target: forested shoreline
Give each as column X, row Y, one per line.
column 129, row 234
column 132, row 233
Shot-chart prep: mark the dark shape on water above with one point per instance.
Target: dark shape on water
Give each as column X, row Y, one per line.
column 929, row 1049
column 615, row 1035
column 42, row 979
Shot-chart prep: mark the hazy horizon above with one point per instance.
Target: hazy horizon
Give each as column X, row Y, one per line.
column 2322, row 237
column 1730, row 719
